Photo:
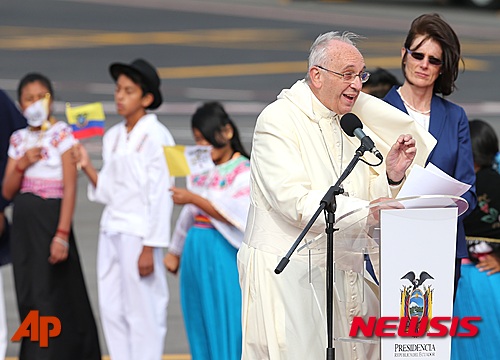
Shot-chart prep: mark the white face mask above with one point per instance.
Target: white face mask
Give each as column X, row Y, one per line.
column 37, row 113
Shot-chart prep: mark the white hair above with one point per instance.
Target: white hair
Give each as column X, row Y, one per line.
column 318, row 53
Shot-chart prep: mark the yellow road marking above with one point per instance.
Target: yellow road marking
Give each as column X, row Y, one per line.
column 25, row 38
column 13, row 38
column 289, row 67
column 233, row 70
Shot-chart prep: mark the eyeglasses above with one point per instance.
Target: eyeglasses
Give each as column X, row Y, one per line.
column 420, row 56
column 348, row 76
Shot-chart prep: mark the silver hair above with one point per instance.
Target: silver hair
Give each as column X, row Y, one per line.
column 318, row 53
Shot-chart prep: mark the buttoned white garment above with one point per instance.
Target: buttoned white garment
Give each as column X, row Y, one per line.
column 134, row 182
column 296, row 156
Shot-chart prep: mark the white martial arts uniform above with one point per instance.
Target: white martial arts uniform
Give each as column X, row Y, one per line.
column 299, row 151
column 134, row 185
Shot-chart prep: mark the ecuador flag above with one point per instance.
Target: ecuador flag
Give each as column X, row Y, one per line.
column 86, row 120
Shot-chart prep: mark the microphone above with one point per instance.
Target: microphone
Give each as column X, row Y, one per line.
column 352, row 126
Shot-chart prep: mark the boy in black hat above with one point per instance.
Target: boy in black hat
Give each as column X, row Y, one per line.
column 133, row 184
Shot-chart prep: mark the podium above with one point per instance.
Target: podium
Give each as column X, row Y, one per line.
column 410, row 243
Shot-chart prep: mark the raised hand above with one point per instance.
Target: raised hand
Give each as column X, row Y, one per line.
column 400, row 157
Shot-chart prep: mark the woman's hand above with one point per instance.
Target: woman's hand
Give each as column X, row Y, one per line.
column 171, row 262
column 59, row 249
column 181, row 196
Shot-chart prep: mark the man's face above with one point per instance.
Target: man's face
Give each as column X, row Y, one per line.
column 335, row 93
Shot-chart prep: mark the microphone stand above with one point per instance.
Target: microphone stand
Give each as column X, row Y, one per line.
column 329, row 204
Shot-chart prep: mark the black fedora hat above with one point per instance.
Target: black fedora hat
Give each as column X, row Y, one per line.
column 146, row 71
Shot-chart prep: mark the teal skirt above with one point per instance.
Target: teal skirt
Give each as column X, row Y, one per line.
column 478, row 295
column 210, row 296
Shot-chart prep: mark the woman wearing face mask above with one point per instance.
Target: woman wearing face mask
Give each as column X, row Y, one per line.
column 41, row 179
column 208, row 234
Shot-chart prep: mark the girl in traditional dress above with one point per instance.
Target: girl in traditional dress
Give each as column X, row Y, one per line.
column 207, row 237
column 41, row 174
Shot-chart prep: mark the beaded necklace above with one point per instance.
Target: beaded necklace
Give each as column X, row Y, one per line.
column 426, row 112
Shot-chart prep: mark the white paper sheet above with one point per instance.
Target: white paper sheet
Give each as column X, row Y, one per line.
column 431, row 181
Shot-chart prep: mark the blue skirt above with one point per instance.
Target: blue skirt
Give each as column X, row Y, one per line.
column 478, row 295
column 210, row 296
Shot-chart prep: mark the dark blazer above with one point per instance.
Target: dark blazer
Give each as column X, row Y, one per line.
column 10, row 120
column 453, row 151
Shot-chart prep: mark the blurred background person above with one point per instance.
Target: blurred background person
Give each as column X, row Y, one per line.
column 135, row 224
column 380, row 82
column 430, row 62
column 10, row 120
column 478, row 291
column 207, row 236
column 41, row 177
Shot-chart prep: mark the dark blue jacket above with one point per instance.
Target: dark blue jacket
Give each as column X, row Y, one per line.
column 453, row 151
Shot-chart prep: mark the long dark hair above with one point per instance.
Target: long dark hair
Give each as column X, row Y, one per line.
column 484, row 143
column 432, row 26
column 210, row 119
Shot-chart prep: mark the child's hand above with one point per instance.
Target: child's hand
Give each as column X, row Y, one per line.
column 146, row 262
column 181, row 196
column 489, row 263
column 30, row 157
column 59, row 248
column 171, row 262
column 80, row 156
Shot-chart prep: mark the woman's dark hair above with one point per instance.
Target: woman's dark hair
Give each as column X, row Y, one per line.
column 33, row 77
column 210, row 119
column 484, row 143
column 432, row 26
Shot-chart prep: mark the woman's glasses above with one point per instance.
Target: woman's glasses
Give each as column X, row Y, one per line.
column 420, row 56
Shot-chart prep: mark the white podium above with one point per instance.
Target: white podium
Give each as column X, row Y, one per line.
column 411, row 245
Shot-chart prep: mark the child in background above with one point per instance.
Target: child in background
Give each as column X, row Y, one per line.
column 207, row 237
column 41, row 177
column 135, row 225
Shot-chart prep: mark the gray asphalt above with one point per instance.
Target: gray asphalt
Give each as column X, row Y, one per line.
column 73, row 42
